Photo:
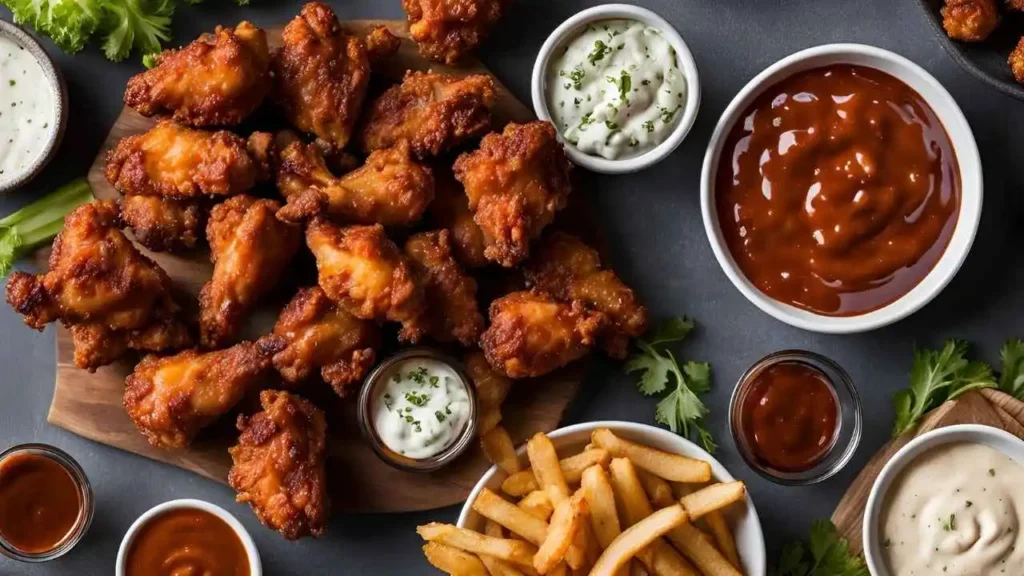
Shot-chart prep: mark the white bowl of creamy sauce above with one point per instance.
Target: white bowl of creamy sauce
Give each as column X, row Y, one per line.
column 32, row 107
column 619, row 85
column 950, row 502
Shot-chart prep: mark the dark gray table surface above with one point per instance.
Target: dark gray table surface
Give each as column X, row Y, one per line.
column 653, row 222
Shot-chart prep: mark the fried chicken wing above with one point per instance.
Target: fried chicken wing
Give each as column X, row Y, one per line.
column 1016, row 61
column 319, row 335
column 162, row 224
column 278, row 465
column 446, row 30
column 970, row 20
column 389, row 189
column 568, row 269
column 175, row 161
column 434, row 112
column 321, row 75
column 381, row 44
column 172, row 398
column 102, row 288
column 515, row 183
column 217, row 80
column 450, row 210
column 532, row 334
column 452, row 312
column 250, row 249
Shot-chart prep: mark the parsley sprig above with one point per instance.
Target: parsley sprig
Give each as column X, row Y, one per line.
column 1011, row 380
column 682, row 409
column 825, row 554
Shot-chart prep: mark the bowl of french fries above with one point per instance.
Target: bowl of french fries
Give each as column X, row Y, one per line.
column 604, row 499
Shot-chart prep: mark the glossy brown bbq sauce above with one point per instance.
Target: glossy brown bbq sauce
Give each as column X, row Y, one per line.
column 789, row 416
column 186, row 541
column 40, row 503
column 838, row 190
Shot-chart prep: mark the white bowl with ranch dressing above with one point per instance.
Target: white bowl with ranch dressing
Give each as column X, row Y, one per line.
column 620, row 86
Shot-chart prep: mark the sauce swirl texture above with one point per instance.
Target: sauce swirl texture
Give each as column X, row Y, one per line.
column 186, row 541
column 40, row 503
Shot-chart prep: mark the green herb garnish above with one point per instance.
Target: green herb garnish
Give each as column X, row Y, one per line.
column 825, row 554
column 600, row 49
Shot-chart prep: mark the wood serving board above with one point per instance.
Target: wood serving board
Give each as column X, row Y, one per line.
column 986, row 407
column 90, row 405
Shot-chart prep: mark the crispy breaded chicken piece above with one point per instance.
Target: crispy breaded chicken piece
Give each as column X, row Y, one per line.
column 318, row 335
column 568, row 269
column 381, row 44
column 217, row 80
column 278, row 465
column 321, row 75
column 250, row 249
column 172, row 398
column 515, row 183
column 452, row 311
column 447, row 30
column 365, row 273
column 970, row 20
column 434, row 112
column 1016, row 61
column 103, row 289
column 450, row 210
column 163, row 224
column 175, row 161
column 532, row 334
column 390, row 188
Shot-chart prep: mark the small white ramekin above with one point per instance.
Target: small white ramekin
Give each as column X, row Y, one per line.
column 960, row 136
column 255, row 567
column 568, row 30
column 1001, row 440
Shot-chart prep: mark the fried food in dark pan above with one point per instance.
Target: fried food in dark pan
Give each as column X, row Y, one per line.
column 970, row 20
column 447, row 30
column 452, row 311
column 163, row 224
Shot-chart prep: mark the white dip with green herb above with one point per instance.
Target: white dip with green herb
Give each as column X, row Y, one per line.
column 421, row 409
column 27, row 111
column 616, row 90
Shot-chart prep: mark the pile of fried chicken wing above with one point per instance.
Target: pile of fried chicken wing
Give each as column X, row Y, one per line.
column 975, row 20
column 403, row 201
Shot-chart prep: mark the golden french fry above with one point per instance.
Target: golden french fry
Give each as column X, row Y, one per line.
column 658, row 490
column 538, row 504
column 604, row 520
column 515, row 519
column 636, row 538
column 497, row 566
column 546, row 468
column 723, row 537
column 560, row 569
column 515, row 551
column 714, row 497
column 566, row 520
column 491, row 386
column 524, row 482
column 577, row 556
column 697, row 546
column 636, row 568
column 489, row 418
column 662, row 464
column 453, row 561
column 498, row 448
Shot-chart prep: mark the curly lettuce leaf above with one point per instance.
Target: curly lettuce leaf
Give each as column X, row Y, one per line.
column 69, row 23
column 140, row 25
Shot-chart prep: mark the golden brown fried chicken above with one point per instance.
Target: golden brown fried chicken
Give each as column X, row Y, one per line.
column 174, row 161
column 450, row 210
column 532, row 334
column 250, row 249
column 452, row 312
column 320, row 336
column 217, row 80
column 278, row 465
column 172, row 398
column 434, row 112
column 102, row 288
column 568, row 269
column 389, row 189
column 515, row 183
column 381, row 44
column 970, row 20
column 162, row 224
column 364, row 272
column 446, row 30
column 1017, row 61
column 321, row 75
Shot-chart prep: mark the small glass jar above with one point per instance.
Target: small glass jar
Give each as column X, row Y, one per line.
column 848, row 424
column 371, row 388
column 85, row 499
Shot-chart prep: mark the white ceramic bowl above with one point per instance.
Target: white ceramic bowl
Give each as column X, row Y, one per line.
column 961, row 138
column 999, row 439
column 569, row 30
column 743, row 521
column 255, row 567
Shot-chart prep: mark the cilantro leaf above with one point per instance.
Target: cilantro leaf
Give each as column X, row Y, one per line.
column 1011, row 380
column 829, row 555
column 673, row 329
column 654, row 366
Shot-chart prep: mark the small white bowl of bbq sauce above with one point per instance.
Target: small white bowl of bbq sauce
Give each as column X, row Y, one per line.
column 842, row 189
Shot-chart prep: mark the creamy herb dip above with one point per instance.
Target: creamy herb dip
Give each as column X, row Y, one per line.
column 955, row 511
column 616, row 89
column 27, row 111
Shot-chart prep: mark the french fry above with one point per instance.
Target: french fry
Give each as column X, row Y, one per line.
column 712, row 498
column 515, row 519
column 638, row 537
column 560, row 569
column 658, row 491
column 453, row 561
column 538, row 504
column 662, row 464
column 489, row 418
column 546, row 468
column 578, row 555
column 491, row 386
column 566, row 520
column 723, row 537
column 636, row 568
column 497, row 566
column 697, row 546
column 524, row 482
column 601, row 501
column 498, row 448
column 515, row 551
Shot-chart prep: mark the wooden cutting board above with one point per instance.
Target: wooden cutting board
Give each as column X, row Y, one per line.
column 90, row 404
column 986, row 407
